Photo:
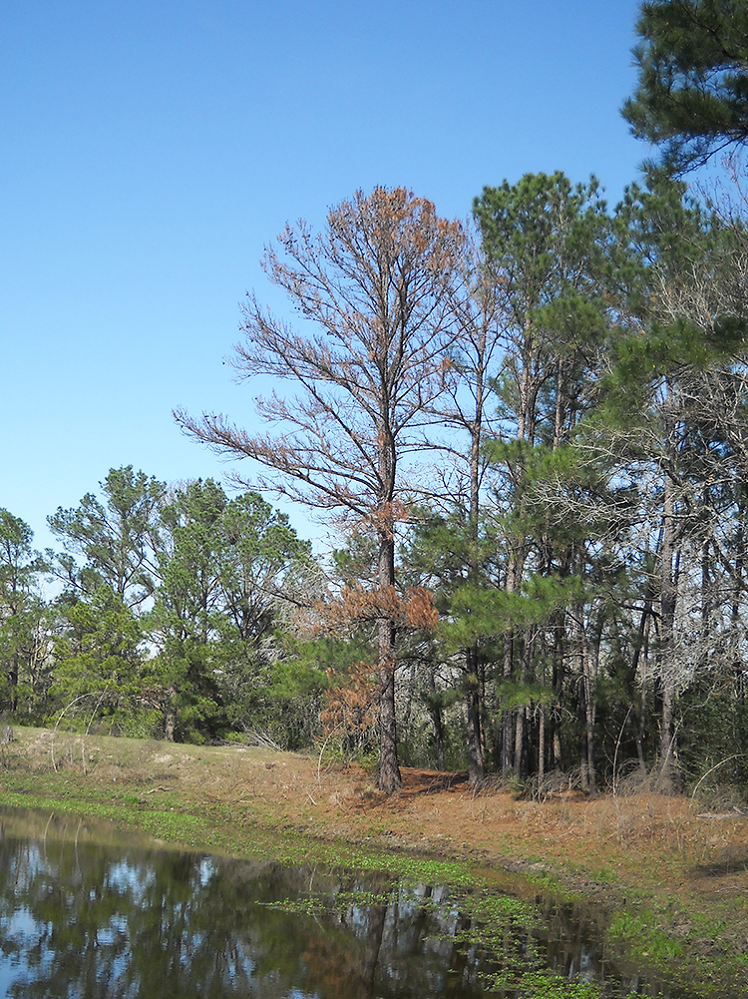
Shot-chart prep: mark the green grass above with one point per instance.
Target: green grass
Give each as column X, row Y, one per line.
column 643, row 939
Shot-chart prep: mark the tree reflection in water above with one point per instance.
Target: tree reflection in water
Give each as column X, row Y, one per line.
column 83, row 917
column 94, row 920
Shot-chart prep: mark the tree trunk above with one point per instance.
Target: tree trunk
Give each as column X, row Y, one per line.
column 170, row 715
column 513, row 575
column 13, row 682
column 541, row 743
column 476, row 766
column 390, row 779
column 667, row 622
column 519, row 739
column 588, row 685
column 521, row 765
column 507, row 755
column 475, row 745
column 436, row 717
column 557, row 680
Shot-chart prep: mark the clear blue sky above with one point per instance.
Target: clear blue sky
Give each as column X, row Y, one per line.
column 150, row 150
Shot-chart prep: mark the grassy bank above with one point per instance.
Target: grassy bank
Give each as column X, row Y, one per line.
column 670, row 877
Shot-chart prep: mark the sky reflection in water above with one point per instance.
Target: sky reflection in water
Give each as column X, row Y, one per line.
column 83, row 917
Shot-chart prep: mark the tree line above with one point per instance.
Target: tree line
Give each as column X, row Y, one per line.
column 529, row 431
column 167, row 603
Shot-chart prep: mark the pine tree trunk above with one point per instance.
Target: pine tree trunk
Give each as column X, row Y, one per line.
column 588, row 686
column 507, row 755
column 557, row 754
column 170, row 715
column 514, row 571
column 476, row 767
column 521, row 765
column 559, row 658
column 390, row 779
column 436, row 717
column 541, row 743
column 519, row 739
column 13, row 682
column 667, row 622
column 475, row 746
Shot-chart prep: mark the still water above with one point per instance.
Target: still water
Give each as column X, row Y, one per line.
column 85, row 912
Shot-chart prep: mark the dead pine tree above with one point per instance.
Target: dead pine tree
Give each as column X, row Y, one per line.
column 374, row 290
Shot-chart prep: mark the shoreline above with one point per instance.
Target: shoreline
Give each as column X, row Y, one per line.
column 669, row 875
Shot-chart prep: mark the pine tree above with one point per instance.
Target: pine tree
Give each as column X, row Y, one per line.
column 692, row 94
column 374, row 289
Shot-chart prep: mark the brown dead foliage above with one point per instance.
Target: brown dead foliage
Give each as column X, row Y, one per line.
column 355, row 606
column 351, row 706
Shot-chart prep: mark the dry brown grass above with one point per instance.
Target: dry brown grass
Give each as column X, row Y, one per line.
column 637, row 838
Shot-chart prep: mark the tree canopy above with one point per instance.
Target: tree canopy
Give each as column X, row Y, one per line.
column 691, row 97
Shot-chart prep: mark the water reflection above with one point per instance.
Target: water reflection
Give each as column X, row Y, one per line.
column 84, row 915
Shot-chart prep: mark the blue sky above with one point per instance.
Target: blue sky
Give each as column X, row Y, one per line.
column 151, row 149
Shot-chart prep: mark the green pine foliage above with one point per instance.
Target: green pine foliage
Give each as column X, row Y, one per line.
column 692, row 93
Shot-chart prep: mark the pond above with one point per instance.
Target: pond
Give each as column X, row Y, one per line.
column 88, row 912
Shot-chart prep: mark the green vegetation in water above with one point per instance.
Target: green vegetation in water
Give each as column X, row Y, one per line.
column 318, row 904
column 539, row 985
column 551, row 885
column 502, row 925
